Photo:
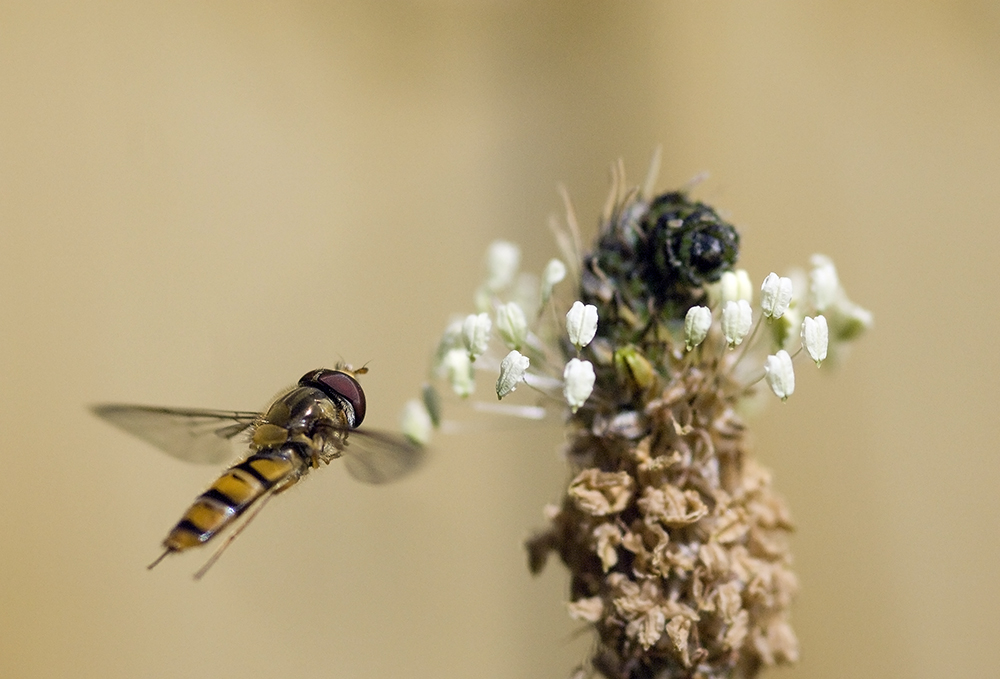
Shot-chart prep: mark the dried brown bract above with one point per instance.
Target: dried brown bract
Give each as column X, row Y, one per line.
column 676, row 542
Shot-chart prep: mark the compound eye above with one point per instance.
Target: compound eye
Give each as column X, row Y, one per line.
column 347, row 387
column 338, row 383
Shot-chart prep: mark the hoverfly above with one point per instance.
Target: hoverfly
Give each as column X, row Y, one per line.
column 304, row 425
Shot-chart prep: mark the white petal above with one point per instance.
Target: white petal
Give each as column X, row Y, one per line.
column 555, row 271
column 512, row 369
column 579, row 382
column 502, row 260
column 736, row 320
column 775, row 295
column 849, row 320
column 735, row 285
column 815, row 337
column 824, row 284
column 745, row 287
column 416, row 422
column 512, row 325
column 696, row 325
column 476, row 334
column 458, row 368
column 779, row 374
column 581, row 324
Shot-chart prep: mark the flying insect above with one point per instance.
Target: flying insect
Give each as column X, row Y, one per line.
column 314, row 421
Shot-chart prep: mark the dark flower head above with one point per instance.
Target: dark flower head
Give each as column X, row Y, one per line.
column 688, row 245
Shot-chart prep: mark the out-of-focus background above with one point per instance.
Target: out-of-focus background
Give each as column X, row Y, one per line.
column 201, row 201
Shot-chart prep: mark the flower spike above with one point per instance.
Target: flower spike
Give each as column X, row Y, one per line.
column 676, row 543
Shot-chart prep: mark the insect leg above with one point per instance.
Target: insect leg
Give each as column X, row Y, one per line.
column 232, row 536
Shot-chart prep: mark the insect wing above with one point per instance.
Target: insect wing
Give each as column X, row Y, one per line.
column 379, row 457
column 188, row 434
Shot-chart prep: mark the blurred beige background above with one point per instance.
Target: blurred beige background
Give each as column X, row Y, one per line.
column 201, row 201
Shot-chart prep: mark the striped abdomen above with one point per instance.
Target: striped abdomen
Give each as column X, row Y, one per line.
column 233, row 493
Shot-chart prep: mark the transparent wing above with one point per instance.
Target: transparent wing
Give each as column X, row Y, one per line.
column 379, row 457
column 189, row 434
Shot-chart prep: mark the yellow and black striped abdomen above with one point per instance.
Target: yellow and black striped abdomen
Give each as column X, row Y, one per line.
column 232, row 494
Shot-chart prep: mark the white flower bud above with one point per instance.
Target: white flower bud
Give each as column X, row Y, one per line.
column 525, row 293
column 786, row 327
column 736, row 320
column 458, row 367
column 849, row 320
column 815, row 337
column 555, row 271
column 735, row 285
column 581, row 324
column 416, row 423
column 696, row 324
column 502, row 260
column 512, row 325
column 452, row 336
column 780, row 375
column 512, row 369
column 476, row 334
column 451, row 339
column 432, row 404
column 775, row 295
column 579, row 382
column 824, row 285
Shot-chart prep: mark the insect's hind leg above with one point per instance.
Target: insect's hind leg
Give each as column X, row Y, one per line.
column 254, row 511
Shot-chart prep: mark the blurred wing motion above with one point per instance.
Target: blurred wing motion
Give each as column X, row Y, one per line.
column 379, row 457
column 189, row 434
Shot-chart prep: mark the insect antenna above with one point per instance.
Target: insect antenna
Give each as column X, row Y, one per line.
column 232, row 536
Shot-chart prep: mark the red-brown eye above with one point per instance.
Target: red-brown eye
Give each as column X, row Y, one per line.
column 338, row 384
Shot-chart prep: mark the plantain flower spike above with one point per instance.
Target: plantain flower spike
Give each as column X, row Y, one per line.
column 675, row 542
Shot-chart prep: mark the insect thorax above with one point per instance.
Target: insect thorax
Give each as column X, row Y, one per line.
column 307, row 416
